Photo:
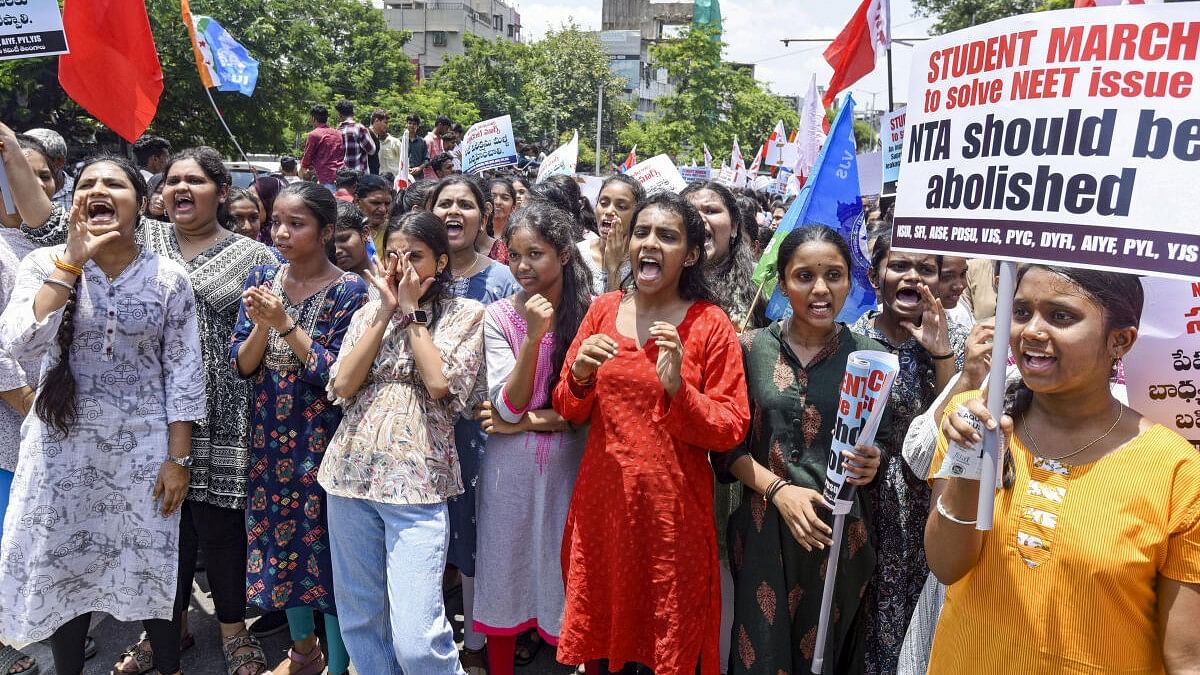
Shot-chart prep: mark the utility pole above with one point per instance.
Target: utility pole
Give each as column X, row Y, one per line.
column 599, row 119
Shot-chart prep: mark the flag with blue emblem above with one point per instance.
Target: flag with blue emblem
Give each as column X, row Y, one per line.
column 829, row 197
column 222, row 61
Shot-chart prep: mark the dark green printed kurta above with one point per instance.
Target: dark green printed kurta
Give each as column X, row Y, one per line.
column 778, row 584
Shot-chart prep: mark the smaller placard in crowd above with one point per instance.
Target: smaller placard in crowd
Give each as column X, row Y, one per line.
column 657, row 174
column 31, row 28
column 1162, row 371
column 489, row 145
column 892, row 134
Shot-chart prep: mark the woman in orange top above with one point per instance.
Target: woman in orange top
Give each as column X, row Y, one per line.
column 1093, row 565
column 657, row 371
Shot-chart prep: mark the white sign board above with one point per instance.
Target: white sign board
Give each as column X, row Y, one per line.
column 1065, row 137
column 658, row 174
column 695, row 174
column 489, row 145
column 891, row 132
column 561, row 161
column 1162, row 371
column 31, row 28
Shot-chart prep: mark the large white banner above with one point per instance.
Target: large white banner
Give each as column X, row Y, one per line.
column 1162, row 371
column 561, row 161
column 489, row 145
column 31, row 28
column 1067, row 137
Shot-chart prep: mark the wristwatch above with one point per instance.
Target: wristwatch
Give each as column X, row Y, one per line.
column 185, row 462
column 417, row 316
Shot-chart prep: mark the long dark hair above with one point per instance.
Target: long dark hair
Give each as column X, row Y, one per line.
column 693, row 281
column 210, row 162
column 267, row 188
column 56, row 403
column 429, row 230
column 321, row 203
column 554, row 226
column 732, row 285
column 506, row 183
column 238, row 194
column 484, row 199
column 639, row 190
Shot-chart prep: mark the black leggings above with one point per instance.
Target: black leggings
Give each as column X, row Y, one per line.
column 68, row 641
column 222, row 535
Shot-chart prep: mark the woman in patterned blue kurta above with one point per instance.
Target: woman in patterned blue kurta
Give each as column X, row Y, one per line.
column 287, row 336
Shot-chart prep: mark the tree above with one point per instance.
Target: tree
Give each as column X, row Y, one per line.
column 490, row 75
column 954, row 15
column 566, row 70
column 309, row 51
column 713, row 102
column 427, row 101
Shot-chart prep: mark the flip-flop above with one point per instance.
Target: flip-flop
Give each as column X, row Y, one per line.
column 532, row 643
column 89, row 648
column 11, row 656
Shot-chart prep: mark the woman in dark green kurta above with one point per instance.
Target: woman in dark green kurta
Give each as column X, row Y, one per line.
column 794, row 370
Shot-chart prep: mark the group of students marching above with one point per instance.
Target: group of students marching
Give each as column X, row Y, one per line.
column 581, row 410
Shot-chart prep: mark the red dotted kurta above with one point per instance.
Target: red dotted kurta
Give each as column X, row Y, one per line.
column 639, row 553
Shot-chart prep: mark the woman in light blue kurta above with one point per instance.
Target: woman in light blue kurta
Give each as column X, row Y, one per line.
column 462, row 205
column 85, row 530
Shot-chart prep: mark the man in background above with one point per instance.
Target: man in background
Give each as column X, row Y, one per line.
column 323, row 153
column 418, row 151
column 152, row 154
column 287, row 169
column 357, row 143
column 56, row 148
column 387, row 159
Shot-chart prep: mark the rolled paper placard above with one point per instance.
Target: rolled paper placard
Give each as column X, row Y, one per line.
column 865, row 390
column 6, row 191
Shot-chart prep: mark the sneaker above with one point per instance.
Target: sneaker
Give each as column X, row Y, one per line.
column 271, row 623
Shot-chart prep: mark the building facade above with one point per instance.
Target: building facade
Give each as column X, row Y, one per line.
column 628, row 29
column 438, row 27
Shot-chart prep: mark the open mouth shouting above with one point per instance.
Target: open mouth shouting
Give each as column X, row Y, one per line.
column 649, row 268
column 1034, row 361
column 101, row 212
column 908, row 299
column 184, row 204
column 820, row 309
column 454, row 228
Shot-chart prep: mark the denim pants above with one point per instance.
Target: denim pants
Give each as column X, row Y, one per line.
column 388, row 561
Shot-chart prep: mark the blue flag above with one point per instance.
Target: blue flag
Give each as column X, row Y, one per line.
column 229, row 66
column 830, row 197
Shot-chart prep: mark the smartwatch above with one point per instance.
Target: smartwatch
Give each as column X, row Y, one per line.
column 417, row 316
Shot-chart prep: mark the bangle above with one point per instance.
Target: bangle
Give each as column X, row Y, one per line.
column 289, row 331
column 68, row 267
column 946, row 514
column 943, row 357
column 59, row 283
column 778, row 485
column 583, row 383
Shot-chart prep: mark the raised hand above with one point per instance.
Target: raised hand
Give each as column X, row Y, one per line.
column 384, row 280
column 614, row 248
column 83, row 241
column 409, row 287
column 265, row 308
column 934, row 332
column 593, row 352
column 539, row 314
column 978, row 354
column 670, row 355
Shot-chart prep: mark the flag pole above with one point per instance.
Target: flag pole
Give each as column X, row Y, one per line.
column 753, row 304
column 599, row 108
column 233, row 138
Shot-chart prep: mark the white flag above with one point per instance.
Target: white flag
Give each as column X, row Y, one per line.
column 811, row 135
column 776, row 144
column 561, row 161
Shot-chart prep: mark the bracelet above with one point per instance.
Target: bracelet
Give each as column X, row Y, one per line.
column 68, row 267
column 778, row 485
column 59, row 283
column 583, row 383
column 289, row 331
column 946, row 514
column 943, row 357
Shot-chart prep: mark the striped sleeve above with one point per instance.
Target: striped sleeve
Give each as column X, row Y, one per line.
column 1182, row 561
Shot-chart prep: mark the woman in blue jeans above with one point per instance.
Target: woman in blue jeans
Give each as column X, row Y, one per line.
column 407, row 368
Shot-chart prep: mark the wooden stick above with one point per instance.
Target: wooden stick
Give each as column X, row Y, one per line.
column 750, row 309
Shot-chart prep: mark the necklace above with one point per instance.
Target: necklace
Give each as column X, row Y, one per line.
column 471, row 271
column 124, row 266
column 1033, row 441
column 198, row 242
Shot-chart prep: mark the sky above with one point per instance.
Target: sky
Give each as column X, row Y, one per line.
column 753, row 30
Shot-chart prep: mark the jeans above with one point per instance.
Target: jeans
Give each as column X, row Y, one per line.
column 6, row 478
column 387, row 563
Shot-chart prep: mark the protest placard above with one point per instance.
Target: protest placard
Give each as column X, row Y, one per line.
column 892, row 134
column 695, row 174
column 865, row 389
column 1061, row 137
column 31, row 28
column 1163, row 368
column 725, row 175
column 489, row 145
column 658, row 174
column 561, row 161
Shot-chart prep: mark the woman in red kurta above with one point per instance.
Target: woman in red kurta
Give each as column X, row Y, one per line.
column 658, row 373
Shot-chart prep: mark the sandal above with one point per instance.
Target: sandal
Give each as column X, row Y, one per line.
column 251, row 653
column 90, row 650
column 312, row 663
column 11, row 656
column 143, row 658
column 529, row 644
column 474, row 661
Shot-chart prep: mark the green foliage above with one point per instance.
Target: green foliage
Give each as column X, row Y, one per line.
column 955, row 15
column 547, row 87
column 713, row 102
column 309, row 51
column 427, row 101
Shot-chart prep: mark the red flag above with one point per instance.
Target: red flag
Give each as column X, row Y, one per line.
column 630, row 160
column 112, row 70
column 853, row 53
